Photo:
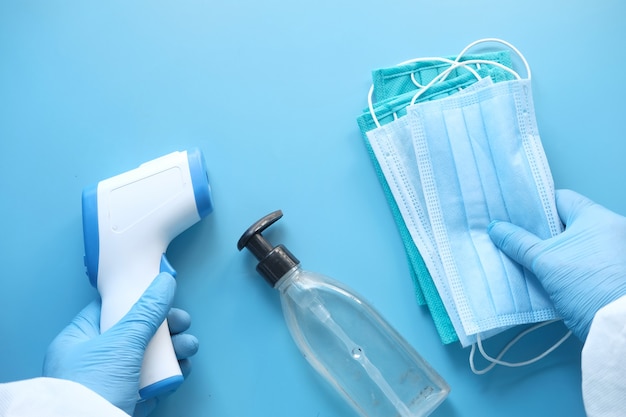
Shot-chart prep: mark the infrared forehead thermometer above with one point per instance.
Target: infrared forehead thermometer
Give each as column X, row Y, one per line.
column 128, row 222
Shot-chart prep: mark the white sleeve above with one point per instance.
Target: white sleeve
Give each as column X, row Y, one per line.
column 52, row 397
column 604, row 362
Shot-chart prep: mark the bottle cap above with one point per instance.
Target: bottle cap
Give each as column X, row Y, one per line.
column 274, row 261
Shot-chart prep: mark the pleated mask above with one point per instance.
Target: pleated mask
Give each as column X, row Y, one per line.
column 397, row 86
column 480, row 158
column 392, row 145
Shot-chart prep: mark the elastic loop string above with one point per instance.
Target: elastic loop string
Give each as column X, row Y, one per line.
column 456, row 63
column 497, row 361
column 370, row 105
column 503, row 42
column 370, row 102
column 463, row 64
column 443, row 76
column 445, row 60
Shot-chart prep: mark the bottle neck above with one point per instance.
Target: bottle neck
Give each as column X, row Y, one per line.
column 286, row 280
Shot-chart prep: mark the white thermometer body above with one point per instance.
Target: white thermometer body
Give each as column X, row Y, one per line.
column 128, row 222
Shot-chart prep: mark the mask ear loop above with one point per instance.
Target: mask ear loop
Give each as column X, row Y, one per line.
column 503, row 42
column 456, row 63
column 430, row 59
column 463, row 64
column 498, row 361
column 449, row 61
column 370, row 103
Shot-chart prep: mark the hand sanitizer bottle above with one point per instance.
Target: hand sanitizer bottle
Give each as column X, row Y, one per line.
column 344, row 338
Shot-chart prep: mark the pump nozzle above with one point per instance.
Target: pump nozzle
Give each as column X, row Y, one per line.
column 274, row 262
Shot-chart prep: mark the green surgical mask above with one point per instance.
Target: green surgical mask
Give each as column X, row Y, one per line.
column 395, row 81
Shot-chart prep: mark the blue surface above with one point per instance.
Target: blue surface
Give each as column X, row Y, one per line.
column 270, row 92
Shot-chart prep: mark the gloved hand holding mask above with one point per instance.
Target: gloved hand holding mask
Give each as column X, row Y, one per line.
column 584, row 268
column 109, row 363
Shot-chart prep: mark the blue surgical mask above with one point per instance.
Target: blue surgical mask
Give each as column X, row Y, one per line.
column 480, row 158
column 425, row 289
column 386, row 112
column 392, row 146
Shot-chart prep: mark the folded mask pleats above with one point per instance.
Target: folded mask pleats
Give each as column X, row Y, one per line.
column 474, row 168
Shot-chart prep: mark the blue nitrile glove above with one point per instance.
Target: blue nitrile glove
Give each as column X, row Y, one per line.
column 582, row 269
column 109, row 363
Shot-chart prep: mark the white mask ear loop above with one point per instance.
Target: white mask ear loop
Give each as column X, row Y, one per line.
column 498, row 361
column 457, row 63
column 370, row 103
column 444, row 60
column 463, row 64
column 454, row 64
column 503, row 42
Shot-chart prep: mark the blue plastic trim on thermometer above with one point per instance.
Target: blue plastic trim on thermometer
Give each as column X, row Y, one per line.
column 165, row 386
column 200, row 181
column 90, row 232
column 166, row 266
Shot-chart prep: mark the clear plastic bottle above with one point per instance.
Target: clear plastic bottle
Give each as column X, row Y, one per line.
column 344, row 338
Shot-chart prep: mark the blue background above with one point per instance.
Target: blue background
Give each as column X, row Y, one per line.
column 270, row 92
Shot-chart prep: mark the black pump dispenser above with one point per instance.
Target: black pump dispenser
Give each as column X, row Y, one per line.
column 274, row 262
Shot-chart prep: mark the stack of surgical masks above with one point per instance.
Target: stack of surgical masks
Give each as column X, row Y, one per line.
column 455, row 145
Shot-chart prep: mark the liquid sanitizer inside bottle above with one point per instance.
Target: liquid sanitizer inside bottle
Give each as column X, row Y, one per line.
column 344, row 338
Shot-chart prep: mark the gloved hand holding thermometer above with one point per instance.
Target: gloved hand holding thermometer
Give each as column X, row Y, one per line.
column 582, row 269
column 128, row 222
column 109, row 364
